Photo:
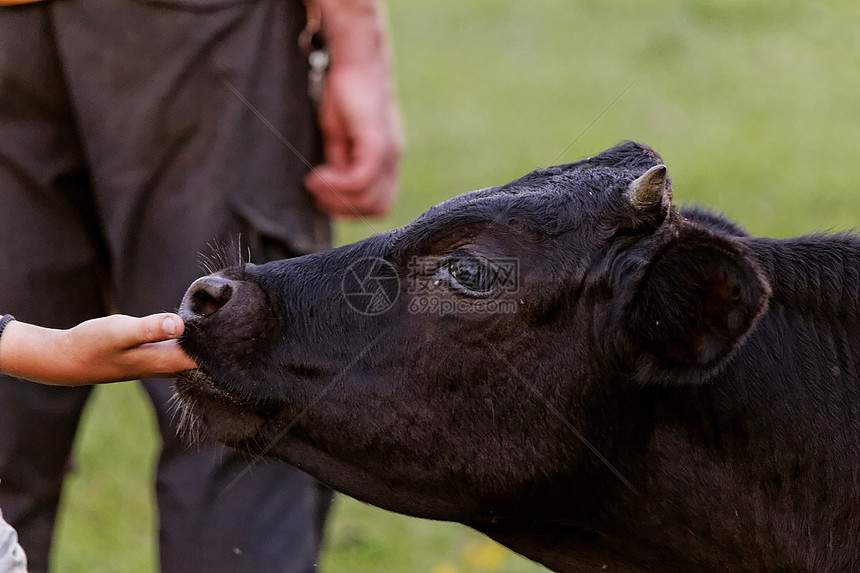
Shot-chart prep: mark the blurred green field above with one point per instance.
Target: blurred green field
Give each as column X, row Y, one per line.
column 754, row 105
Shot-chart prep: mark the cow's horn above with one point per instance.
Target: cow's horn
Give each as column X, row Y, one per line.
column 647, row 191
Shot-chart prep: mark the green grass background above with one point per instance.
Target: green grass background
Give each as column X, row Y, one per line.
column 754, row 105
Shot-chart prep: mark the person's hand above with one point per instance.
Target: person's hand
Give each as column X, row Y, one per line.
column 359, row 117
column 108, row 349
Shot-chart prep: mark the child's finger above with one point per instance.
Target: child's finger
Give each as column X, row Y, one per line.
column 158, row 327
column 161, row 359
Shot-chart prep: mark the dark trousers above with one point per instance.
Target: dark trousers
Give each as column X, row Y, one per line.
column 130, row 138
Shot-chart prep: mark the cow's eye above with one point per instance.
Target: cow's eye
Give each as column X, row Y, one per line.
column 471, row 274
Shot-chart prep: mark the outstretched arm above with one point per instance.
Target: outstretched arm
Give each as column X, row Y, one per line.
column 107, row 349
column 359, row 117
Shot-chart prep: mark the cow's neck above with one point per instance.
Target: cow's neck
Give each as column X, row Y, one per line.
column 754, row 469
column 813, row 274
column 569, row 549
column 761, row 462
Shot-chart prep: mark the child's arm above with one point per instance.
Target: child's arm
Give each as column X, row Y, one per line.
column 107, row 349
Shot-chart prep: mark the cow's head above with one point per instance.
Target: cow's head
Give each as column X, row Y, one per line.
column 492, row 359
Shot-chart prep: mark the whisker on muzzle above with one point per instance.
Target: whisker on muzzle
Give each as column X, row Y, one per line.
column 224, row 255
column 188, row 426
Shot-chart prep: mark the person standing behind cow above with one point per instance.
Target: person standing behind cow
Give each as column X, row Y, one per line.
column 131, row 135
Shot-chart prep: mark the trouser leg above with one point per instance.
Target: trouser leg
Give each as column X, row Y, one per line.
column 37, row 428
column 225, row 511
column 179, row 159
column 51, row 268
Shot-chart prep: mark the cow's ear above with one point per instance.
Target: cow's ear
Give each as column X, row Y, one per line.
column 700, row 296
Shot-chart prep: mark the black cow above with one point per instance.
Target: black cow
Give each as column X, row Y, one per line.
column 570, row 365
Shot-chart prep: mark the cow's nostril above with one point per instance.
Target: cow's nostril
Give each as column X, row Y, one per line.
column 204, row 303
column 206, row 296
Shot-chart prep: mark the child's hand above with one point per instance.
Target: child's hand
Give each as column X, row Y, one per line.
column 107, row 349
